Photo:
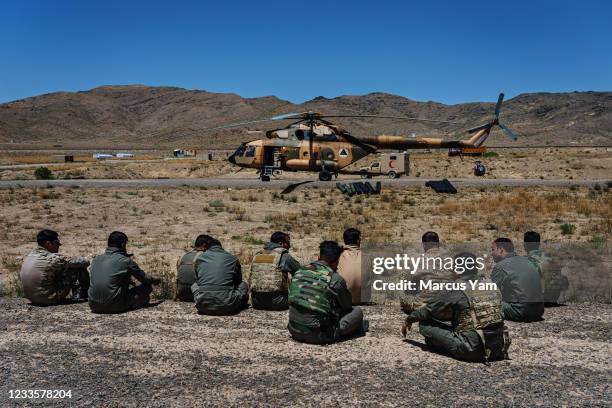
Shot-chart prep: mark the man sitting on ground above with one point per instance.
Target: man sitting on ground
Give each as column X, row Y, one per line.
column 519, row 281
column 218, row 287
column 185, row 270
column 271, row 271
column 112, row 289
column 552, row 280
column 48, row 277
column 349, row 265
column 477, row 329
column 320, row 305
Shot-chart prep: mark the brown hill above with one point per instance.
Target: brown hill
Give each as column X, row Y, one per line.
column 142, row 116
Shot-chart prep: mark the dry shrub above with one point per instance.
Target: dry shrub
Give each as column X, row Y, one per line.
column 160, row 267
column 12, row 287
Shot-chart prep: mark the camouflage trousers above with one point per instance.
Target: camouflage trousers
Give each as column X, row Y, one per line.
column 349, row 324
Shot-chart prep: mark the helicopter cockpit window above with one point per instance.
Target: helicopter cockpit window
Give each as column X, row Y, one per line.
column 240, row 151
column 250, row 151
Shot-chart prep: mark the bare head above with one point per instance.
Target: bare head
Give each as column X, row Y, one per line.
column 430, row 240
column 329, row 251
column 281, row 238
column 49, row 240
column 501, row 248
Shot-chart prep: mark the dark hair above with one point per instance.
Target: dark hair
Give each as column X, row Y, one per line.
column 531, row 236
column 430, row 236
column 329, row 251
column 206, row 240
column 46, row 235
column 472, row 269
column 351, row 236
column 280, row 238
column 531, row 240
column 505, row 243
column 116, row 239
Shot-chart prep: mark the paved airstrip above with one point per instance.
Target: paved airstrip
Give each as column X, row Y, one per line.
column 243, row 183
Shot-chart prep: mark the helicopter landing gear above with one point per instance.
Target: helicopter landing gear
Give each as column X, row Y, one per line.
column 265, row 178
column 325, row 175
column 479, row 169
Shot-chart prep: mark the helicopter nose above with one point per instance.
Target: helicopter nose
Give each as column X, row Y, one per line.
column 232, row 158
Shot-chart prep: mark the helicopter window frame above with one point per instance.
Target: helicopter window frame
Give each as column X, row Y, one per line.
column 250, row 151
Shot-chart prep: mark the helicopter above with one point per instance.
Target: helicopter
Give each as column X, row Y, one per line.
column 313, row 143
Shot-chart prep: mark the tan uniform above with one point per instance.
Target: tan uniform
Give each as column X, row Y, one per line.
column 349, row 267
column 47, row 278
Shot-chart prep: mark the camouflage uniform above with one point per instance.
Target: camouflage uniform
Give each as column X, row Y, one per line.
column 185, row 275
column 553, row 282
column 320, row 306
column 219, row 289
column 112, row 289
column 477, row 329
column 47, row 278
column 269, row 277
column 519, row 281
column 412, row 300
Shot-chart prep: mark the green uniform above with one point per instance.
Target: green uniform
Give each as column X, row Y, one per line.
column 519, row 281
column 185, row 276
column 411, row 300
column 553, row 281
column 320, row 306
column 477, row 329
column 47, row 278
column 219, row 289
column 112, row 289
column 271, row 293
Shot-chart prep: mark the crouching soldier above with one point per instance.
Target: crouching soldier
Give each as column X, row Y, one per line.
column 185, row 270
column 47, row 277
column 270, row 273
column 320, row 305
column 477, row 329
column 218, row 287
column 112, row 289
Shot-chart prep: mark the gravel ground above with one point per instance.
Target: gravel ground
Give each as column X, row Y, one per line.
column 167, row 355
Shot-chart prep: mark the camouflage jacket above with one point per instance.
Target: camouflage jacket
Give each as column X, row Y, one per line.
column 46, row 277
column 342, row 303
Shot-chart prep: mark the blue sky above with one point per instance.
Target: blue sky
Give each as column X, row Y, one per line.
column 447, row 51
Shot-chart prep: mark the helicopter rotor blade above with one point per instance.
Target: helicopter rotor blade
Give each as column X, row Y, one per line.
column 477, row 128
column 508, row 131
column 500, row 99
column 293, row 115
column 391, row 117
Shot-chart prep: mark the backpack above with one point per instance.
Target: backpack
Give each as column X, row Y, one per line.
column 309, row 290
column 266, row 273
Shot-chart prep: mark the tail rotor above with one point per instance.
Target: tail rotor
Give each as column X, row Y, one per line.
column 495, row 122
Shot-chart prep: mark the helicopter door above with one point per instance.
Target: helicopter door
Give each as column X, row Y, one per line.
column 268, row 156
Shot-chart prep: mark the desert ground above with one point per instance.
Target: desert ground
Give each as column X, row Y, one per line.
column 167, row 355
